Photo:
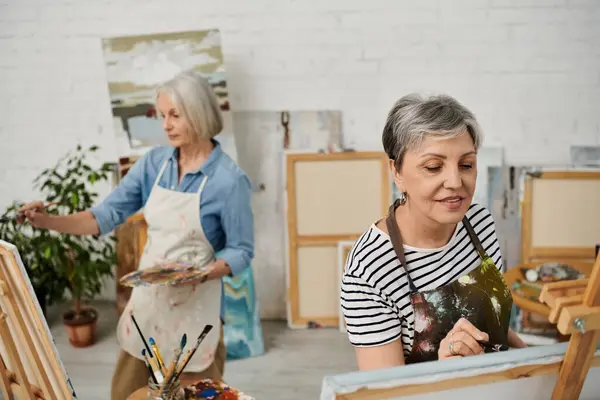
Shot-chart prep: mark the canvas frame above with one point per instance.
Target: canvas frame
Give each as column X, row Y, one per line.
column 30, row 366
column 447, row 378
column 296, row 241
column 580, row 257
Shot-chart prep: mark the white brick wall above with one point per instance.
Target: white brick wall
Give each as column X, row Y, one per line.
column 530, row 69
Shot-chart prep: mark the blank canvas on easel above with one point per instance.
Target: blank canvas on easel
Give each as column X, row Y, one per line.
column 29, row 359
column 330, row 198
column 561, row 217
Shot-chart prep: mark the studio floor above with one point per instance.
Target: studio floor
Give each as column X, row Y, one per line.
column 292, row 368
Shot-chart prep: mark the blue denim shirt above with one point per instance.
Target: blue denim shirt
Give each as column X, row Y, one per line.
column 225, row 204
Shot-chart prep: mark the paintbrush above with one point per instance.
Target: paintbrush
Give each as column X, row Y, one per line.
column 8, row 219
column 152, row 360
column 148, row 366
column 141, row 335
column 492, row 348
column 161, row 362
column 191, row 352
column 170, row 375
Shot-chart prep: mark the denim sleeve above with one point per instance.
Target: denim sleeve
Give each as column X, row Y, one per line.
column 237, row 220
column 123, row 201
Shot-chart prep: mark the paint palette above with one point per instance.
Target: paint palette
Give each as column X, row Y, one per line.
column 165, row 274
column 214, row 390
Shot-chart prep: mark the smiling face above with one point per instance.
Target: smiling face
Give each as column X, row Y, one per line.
column 439, row 177
column 174, row 124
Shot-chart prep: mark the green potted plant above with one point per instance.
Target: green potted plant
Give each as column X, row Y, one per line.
column 85, row 261
column 49, row 283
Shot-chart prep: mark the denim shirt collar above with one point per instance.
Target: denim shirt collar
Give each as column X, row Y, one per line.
column 209, row 167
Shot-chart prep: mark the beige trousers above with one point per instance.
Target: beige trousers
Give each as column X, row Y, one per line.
column 131, row 374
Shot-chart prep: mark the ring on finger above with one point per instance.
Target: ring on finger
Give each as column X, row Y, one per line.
column 450, row 345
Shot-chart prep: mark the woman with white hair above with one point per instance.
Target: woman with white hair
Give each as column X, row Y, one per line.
column 425, row 282
column 196, row 202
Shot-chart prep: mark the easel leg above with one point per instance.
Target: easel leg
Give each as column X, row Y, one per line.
column 575, row 366
column 14, row 357
column 5, row 381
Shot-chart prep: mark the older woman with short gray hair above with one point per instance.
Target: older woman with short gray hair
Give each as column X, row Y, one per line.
column 425, row 282
column 196, row 202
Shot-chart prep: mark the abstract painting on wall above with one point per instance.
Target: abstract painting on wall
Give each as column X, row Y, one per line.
column 135, row 65
column 262, row 138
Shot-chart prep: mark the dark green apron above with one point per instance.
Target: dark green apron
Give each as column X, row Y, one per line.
column 481, row 296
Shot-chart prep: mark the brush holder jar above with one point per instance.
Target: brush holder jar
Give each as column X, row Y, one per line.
column 174, row 391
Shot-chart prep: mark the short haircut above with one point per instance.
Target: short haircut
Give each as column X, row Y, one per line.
column 414, row 117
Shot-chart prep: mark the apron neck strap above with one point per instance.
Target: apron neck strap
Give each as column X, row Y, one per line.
column 202, row 184
column 474, row 239
column 396, row 239
column 160, row 173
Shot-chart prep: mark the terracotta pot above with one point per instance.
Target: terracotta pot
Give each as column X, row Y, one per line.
column 81, row 328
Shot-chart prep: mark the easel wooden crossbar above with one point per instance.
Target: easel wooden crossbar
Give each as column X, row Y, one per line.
column 29, row 363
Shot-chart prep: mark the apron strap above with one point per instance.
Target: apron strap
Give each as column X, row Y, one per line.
column 474, row 239
column 160, row 173
column 202, row 184
column 396, row 239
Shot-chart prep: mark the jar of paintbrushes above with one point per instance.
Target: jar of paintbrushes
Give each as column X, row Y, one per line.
column 164, row 383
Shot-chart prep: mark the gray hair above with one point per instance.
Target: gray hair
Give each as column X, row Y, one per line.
column 196, row 100
column 414, row 117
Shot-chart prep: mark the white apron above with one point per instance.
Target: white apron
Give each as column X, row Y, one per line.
column 165, row 313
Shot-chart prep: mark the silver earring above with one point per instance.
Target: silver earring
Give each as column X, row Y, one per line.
column 402, row 198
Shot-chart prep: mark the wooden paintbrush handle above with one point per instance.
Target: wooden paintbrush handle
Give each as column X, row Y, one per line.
column 185, row 361
column 172, row 367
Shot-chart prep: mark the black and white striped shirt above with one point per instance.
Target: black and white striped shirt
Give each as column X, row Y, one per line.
column 375, row 293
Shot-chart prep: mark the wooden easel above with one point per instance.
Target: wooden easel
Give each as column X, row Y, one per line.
column 29, row 368
column 16, row 383
column 570, row 240
column 576, row 311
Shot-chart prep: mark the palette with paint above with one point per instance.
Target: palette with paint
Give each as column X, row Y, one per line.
column 214, row 390
column 165, row 274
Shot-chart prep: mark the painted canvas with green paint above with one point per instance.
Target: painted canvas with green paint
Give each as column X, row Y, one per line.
column 243, row 335
column 135, row 65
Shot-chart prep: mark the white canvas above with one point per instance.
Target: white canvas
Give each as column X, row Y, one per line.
column 425, row 374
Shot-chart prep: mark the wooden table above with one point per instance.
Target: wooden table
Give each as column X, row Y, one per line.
column 528, row 306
